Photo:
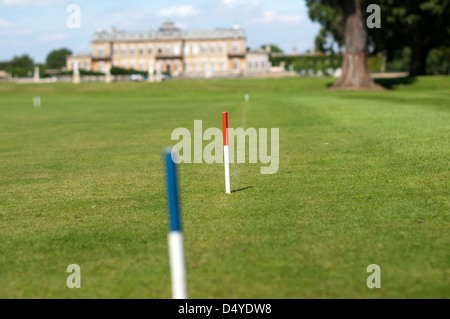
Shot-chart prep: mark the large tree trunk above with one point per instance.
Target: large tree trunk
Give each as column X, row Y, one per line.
column 355, row 67
column 419, row 60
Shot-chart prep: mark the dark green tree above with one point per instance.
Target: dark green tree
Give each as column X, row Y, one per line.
column 420, row 25
column 438, row 61
column 20, row 65
column 332, row 23
column 319, row 41
column 345, row 21
column 273, row 48
column 324, row 41
column 57, row 58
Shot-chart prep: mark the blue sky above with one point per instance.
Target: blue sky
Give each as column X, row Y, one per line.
column 36, row 27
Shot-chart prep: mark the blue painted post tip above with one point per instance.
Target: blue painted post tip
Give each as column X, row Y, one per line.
column 172, row 192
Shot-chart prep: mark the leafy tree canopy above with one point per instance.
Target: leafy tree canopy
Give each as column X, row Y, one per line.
column 20, row 65
column 273, row 48
column 420, row 25
column 57, row 58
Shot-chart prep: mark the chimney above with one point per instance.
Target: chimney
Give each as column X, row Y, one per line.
column 268, row 48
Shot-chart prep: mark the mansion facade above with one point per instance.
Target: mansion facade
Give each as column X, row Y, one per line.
column 182, row 53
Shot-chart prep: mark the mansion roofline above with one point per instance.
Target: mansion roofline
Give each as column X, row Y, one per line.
column 168, row 31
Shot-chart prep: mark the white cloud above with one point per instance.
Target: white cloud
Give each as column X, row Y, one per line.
column 4, row 23
column 290, row 18
column 247, row 6
column 268, row 17
column 273, row 17
column 9, row 29
column 126, row 18
column 30, row 3
column 55, row 37
column 182, row 26
column 229, row 3
column 15, row 32
column 179, row 12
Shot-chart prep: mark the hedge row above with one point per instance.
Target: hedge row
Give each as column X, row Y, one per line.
column 320, row 62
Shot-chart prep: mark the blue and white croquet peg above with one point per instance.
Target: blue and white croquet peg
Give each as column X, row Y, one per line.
column 175, row 237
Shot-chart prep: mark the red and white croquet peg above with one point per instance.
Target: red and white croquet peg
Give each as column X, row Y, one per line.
column 226, row 152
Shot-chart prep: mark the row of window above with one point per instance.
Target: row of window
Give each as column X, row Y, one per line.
column 255, row 65
column 195, row 66
column 81, row 65
column 168, row 49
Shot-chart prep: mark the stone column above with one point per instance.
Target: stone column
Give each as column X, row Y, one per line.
column 159, row 72
column 176, row 70
column 291, row 68
column 36, row 74
column 76, row 73
column 208, row 72
column 151, row 71
column 108, row 77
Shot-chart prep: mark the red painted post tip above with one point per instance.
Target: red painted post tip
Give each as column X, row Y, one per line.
column 225, row 128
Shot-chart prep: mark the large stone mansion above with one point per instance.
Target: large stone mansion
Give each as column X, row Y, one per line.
column 183, row 53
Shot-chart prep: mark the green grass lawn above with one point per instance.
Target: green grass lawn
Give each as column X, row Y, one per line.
column 363, row 179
